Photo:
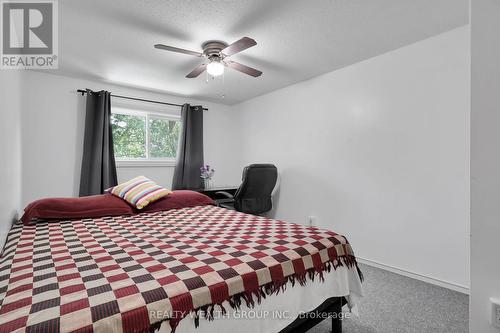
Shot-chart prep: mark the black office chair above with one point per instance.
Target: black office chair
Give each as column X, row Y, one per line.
column 254, row 194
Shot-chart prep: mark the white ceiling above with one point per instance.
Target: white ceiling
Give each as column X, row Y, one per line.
column 113, row 41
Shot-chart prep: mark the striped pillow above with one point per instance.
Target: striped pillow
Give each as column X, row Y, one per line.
column 139, row 192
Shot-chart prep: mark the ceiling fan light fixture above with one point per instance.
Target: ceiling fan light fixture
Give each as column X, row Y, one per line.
column 215, row 54
column 215, row 68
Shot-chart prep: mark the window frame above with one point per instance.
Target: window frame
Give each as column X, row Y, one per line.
column 147, row 161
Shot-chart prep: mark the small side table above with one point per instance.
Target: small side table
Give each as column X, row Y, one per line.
column 210, row 192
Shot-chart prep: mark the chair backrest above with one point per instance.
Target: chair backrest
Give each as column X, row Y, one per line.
column 254, row 194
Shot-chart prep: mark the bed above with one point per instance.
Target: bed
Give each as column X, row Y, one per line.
column 149, row 271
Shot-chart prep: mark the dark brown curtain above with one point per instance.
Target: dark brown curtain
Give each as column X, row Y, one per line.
column 98, row 163
column 190, row 152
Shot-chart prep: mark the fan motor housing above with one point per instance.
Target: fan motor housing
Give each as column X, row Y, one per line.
column 213, row 48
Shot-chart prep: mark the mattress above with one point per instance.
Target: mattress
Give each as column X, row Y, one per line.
column 278, row 311
column 135, row 273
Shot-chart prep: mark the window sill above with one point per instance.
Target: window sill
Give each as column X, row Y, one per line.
column 135, row 164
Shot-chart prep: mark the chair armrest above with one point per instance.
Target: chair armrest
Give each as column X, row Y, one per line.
column 225, row 194
column 220, row 202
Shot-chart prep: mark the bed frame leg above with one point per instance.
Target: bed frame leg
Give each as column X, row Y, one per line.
column 337, row 318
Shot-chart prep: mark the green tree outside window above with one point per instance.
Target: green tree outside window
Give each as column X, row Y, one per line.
column 133, row 133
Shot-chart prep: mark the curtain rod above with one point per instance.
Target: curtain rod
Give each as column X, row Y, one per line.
column 82, row 91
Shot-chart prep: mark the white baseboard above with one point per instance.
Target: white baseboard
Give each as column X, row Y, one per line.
column 416, row 276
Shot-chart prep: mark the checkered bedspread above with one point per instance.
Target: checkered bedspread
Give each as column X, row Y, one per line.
column 130, row 273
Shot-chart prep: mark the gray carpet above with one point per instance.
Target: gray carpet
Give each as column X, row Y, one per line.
column 394, row 303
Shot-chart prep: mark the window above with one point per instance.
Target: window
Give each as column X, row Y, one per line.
column 129, row 136
column 163, row 137
column 144, row 137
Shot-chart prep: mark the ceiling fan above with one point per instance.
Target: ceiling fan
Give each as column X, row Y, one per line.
column 217, row 54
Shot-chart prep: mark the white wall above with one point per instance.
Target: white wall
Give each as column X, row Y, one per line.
column 377, row 151
column 53, row 116
column 485, row 163
column 10, row 149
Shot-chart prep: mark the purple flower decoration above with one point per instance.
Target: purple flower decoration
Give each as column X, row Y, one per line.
column 207, row 172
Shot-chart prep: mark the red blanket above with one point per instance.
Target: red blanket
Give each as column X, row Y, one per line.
column 130, row 273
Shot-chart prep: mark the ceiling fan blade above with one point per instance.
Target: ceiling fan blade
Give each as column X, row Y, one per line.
column 244, row 68
column 197, row 71
column 238, row 46
column 178, row 50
